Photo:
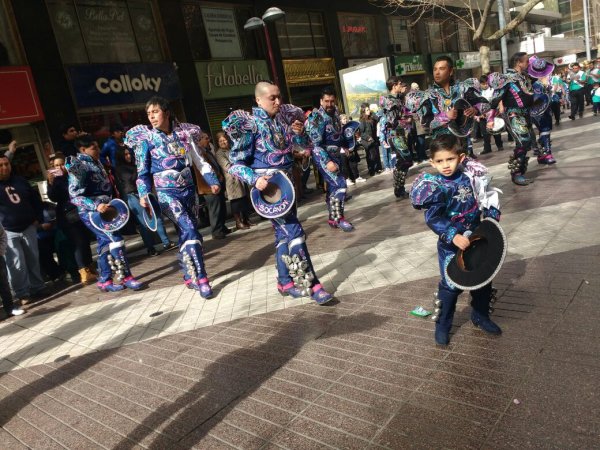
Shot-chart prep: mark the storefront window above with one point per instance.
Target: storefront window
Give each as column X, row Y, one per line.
column 99, row 31
column 8, row 41
column 359, row 35
column 302, row 34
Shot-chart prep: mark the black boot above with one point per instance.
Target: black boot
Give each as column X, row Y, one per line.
column 481, row 303
column 445, row 305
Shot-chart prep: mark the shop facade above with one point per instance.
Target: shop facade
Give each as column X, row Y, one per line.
column 21, row 115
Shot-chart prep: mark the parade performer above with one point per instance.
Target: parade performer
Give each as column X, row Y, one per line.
column 164, row 157
column 262, row 146
column 454, row 200
column 90, row 190
column 515, row 91
column 541, row 112
column 449, row 106
column 395, row 123
column 328, row 137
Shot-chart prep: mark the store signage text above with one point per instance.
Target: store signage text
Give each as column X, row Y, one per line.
column 122, row 84
column 407, row 65
column 127, row 84
column 233, row 78
column 225, row 79
column 354, row 29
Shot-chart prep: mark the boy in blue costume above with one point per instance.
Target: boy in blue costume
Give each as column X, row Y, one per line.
column 454, row 200
column 163, row 155
column 90, row 190
column 262, row 144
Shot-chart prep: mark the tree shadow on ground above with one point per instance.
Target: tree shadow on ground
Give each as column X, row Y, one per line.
column 237, row 375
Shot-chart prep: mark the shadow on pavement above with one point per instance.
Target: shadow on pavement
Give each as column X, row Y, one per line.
column 235, row 376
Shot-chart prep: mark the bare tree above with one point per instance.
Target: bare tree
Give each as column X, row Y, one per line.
column 474, row 14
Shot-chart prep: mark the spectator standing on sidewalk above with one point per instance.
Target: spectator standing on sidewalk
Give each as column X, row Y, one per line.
column 112, row 146
column 237, row 192
column 368, row 132
column 7, row 298
column 66, row 145
column 126, row 176
column 20, row 213
column 217, row 206
column 577, row 87
column 596, row 98
column 68, row 221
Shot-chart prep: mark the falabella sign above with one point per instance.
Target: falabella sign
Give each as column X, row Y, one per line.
column 122, row 84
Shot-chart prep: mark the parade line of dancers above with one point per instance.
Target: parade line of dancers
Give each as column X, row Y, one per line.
column 265, row 141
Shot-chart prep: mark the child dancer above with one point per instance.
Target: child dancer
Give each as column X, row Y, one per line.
column 454, row 200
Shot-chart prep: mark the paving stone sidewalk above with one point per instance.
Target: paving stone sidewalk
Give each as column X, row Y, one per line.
column 361, row 373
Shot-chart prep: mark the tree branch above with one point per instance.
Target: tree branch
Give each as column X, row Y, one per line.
column 515, row 22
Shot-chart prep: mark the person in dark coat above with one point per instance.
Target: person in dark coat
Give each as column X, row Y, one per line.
column 126, row 174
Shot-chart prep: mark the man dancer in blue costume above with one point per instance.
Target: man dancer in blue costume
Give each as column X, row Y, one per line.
column 164, row 153
column 515, row 91
column 262, row 144
column 327, row 137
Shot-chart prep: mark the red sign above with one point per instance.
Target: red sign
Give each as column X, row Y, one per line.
column 19, row 102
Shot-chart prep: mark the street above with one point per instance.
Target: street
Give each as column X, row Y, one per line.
column 161, row 368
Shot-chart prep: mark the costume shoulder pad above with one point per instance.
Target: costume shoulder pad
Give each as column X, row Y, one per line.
column 189, row 129
column 474, row 168
column 425, row 191
column 497, row 80
column 238, row 124
column 414, row 100
column 137, row 135
column 290, row 113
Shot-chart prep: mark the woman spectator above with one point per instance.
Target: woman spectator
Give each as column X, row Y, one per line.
column 367, row 132
column 237, row 193
column 126, row 175
column 67, row 219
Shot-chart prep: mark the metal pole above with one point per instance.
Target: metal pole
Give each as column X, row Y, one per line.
column 271, row 57
column 586, row 27
column 502, row 24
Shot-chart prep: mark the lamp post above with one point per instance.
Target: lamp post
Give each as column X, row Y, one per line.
column 254, row 23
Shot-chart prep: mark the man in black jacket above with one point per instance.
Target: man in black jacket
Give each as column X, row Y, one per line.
column 20, row 213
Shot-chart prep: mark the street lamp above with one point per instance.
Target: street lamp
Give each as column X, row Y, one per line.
column 254, row 23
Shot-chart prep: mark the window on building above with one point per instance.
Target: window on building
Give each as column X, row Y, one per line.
column 302, row 34
column 359, row 35
column 218, row 32
column 99, row 31
column 401, row 36
column 434, row 37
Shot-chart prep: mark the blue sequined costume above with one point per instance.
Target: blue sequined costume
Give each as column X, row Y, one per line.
column 165, row 161
column 543, row 123
column 394, row 126
column 89, row 187
column 327, row 138
column 263, row 145
column 515, row 91
column 454, row 205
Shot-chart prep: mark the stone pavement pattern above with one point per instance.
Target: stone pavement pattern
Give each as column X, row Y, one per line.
column 250, row 369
